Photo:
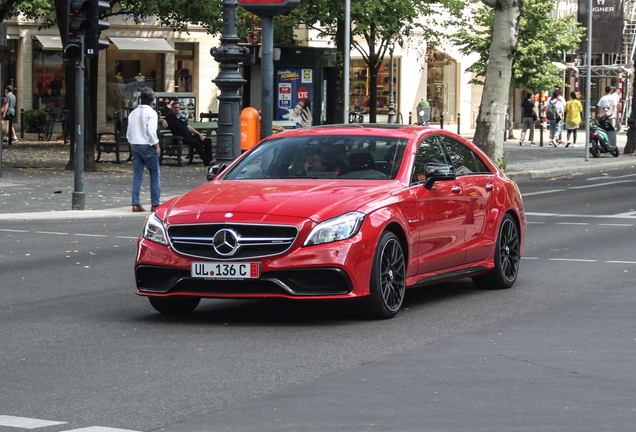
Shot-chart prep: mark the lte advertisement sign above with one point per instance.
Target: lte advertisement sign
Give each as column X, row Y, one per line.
column 295, row 89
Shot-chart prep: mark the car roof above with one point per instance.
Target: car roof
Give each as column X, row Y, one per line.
column 382, row 129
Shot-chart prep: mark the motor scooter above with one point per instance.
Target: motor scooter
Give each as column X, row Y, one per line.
column 603, row 138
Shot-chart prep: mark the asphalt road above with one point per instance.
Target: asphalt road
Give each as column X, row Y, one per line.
column 554, row 353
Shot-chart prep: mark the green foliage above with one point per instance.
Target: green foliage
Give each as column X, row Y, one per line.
column 502, row 163
column 33, row 120
column 542, row 41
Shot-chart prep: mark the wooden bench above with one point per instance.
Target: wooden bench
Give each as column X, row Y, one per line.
column 119, row 143
column 173, row 146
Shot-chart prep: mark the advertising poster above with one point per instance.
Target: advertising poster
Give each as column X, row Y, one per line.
column 295, row 96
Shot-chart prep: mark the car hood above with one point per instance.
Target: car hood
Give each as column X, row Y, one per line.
column 314, row 199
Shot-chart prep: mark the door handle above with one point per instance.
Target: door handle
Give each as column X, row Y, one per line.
column 456, row 189
column 490, row 187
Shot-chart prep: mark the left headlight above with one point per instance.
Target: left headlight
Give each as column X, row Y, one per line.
column 155, row 231
column 338, row 228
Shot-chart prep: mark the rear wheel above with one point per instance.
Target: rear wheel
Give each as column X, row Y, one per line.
column 388, row 279
column 616, row 152
column 174, row 305
column 507, row 257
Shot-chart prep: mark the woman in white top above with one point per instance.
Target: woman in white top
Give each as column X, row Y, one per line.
column 554, row 114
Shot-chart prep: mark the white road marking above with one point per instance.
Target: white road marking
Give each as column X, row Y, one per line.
column 620, row 225
column 572, row 223
column 621, row 262
column 542, row 192
column 126, row 237
column 530, row 258
column 12, row 230
column 26, row 423
column 50, row 232
column 614, row 216
column 538, row 223
column 571, row 259
column 91, row 235
column 611, row 177
column 631, row 213
column 100, row 429
column 602, row 184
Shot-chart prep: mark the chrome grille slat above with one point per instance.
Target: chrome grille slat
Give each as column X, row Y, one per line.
column 253, row 240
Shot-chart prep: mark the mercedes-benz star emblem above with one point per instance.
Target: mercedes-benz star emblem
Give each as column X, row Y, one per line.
column 225, row 242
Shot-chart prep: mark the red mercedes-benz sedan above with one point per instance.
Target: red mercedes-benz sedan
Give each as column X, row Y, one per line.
column 343, row 212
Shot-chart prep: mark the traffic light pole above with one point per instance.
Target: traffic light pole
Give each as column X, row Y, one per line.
column 79, row 198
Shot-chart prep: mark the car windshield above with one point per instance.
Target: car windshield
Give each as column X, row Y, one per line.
column 324, row 156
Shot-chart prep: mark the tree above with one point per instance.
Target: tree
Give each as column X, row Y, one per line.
column 533, row 60
column 376, row 25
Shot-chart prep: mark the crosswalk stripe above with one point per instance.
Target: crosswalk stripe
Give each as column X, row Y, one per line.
column 26, row 423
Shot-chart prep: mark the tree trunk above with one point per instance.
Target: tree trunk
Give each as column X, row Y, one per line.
column 494, row 102
column 630, row 147
column 373, row 88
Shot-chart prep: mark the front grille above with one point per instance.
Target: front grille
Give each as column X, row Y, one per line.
column 303, row 282
column 247, row 241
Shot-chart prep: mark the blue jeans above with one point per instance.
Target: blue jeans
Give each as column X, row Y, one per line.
column 145, row 155
column 555, row 128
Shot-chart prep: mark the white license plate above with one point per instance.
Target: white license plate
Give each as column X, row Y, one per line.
column 225, row 270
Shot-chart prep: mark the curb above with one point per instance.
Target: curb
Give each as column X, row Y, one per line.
column 542, row 174
column 122, row 212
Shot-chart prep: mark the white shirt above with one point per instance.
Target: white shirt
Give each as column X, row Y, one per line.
column 142, row 126
column 606, row 104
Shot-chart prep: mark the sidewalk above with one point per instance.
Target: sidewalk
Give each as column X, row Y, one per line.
column 35, row 186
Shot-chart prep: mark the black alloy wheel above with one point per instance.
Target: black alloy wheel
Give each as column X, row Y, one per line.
column 507, row 258
column 174, row 305
column 388, row 279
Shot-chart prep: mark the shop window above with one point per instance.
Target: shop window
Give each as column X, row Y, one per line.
column 359, row 94
column 126, row 74
column 49, row 75
column 185, row 65
column 441, row 88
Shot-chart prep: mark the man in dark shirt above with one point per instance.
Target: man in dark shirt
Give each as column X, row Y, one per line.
column 191, row 137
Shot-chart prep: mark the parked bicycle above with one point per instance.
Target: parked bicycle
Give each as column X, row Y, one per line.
column 356, row 115
column 47, row 127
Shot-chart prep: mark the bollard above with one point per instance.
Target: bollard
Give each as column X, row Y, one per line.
column 410, row 117
column 250, row 128
column 21, row 123
column 459, row 122
column 441, row 121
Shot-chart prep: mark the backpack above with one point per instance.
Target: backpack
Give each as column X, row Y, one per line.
column 552, row 114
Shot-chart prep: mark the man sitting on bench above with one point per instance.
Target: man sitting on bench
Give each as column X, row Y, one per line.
column 191, row 137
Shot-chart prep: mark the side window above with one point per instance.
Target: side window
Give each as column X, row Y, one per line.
column 462, row 157
column 429, row 151
column 481, row 166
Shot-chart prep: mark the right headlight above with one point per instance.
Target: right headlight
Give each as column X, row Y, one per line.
column 339, row 228
column 155, row 231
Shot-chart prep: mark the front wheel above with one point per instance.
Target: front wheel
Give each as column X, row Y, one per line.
column 507, row 257
column 615, row 152
column 388, row 279
column 174, row 305
column 594, row 151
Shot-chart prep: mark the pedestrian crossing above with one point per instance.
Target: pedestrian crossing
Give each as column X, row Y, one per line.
column 32, row 424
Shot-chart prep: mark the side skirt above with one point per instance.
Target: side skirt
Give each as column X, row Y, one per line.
column 457, row 274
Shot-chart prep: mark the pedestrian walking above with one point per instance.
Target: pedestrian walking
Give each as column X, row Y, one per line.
column 8, row 113
column 142, row 135
column 573, row 109
column 530, row 116
column 554, row 114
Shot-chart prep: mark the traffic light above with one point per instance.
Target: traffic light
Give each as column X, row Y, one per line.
column 78, row 23
column 92, row 38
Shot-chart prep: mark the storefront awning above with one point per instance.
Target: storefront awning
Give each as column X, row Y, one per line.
column 158, row 45
column 50, row 43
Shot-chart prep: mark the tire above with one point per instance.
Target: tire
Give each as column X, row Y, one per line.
column 616, row 152
column 507, row 258
column 594, row 151
column 174, row 305
column 388, row 279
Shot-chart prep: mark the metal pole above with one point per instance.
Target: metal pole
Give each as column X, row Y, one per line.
column 79, row 198
column 347, row 54
column 459, row 122
column 391, row 98
column 589, row 80
column 21, row 122
column 267, row 74
column 229, row 81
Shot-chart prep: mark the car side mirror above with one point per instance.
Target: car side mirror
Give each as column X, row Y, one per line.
column 438, row 172
column 215, row 170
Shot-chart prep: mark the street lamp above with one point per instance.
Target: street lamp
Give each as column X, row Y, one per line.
column 391, row 98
